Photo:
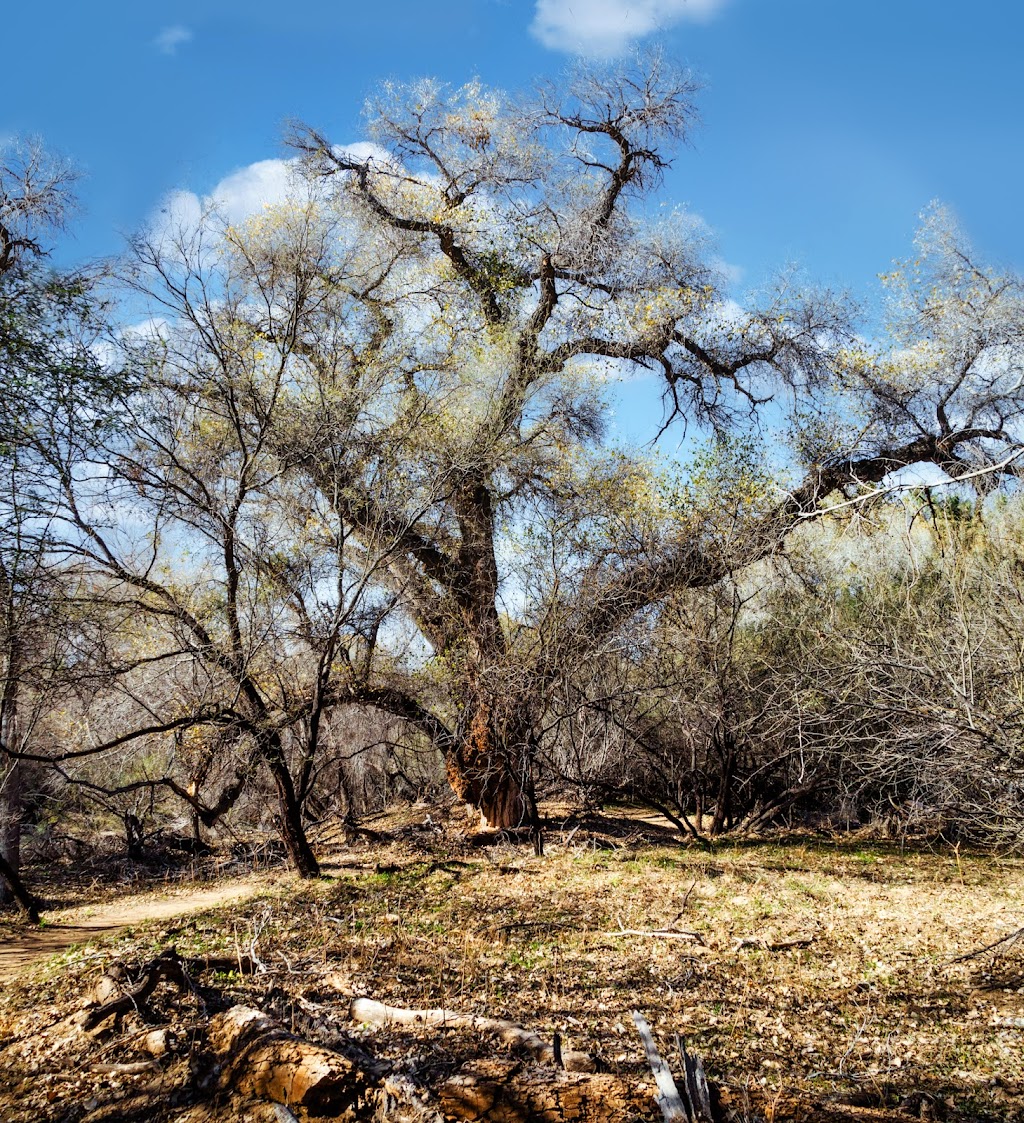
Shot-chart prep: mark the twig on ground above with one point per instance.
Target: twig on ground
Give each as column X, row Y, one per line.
column 741, row 942
column 1005, row 943
column 659, row 934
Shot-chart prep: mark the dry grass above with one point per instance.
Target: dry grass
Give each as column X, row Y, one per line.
column 848, row 1001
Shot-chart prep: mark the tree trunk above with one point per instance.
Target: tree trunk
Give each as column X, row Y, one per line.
column 10, row 822
column 11, row 787
column 490, row 770
column 293, row 833
column 10, row 881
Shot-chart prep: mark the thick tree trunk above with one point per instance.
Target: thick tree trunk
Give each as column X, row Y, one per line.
column 490, row 771
column 490, row 767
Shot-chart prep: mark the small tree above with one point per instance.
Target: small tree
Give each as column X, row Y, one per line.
column 47, row 323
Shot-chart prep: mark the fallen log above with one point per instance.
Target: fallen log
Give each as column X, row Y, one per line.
column 367, row 1011
column 506, row 1092
column 258, row 1057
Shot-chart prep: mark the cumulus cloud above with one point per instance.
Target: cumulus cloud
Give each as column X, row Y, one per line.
column 171, row 38
column 252, row 188
column 242, row 193
column 605, row 28
column 236, row 197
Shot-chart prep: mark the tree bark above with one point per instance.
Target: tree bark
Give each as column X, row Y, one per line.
column 490, row 767
column 260, row 1058
column 293, row 832
column 503, row 1091
column 10, row 823
column 10, row 879
column 11, row 793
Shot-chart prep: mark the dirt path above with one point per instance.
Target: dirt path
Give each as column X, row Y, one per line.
column 68, row 927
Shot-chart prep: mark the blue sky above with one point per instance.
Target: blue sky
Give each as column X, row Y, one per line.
column 826, row 125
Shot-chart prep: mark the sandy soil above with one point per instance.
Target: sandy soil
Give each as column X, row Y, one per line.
column 68, row 927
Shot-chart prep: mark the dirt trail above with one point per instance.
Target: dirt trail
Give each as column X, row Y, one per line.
column 68, row 927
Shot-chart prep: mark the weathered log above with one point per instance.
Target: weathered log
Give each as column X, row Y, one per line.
column 369, row 1012
column 505, row 1092
column 260, row 1058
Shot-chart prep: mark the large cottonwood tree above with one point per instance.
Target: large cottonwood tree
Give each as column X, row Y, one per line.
column 524, row 268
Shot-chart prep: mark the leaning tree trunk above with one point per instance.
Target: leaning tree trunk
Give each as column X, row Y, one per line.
column 293, row 832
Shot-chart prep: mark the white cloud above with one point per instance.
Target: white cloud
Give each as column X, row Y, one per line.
column 250, row 189
column 608, row 27
column 236, row 197
column 244, row 192
column 247, row 191
column 171, row 38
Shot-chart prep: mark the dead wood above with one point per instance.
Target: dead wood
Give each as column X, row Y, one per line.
column 673, row 1110
column 1004, row 944
column 134, row 1068
column 695, row 1085
column 116, row 995
column 369, row 1012
column 506, row 1092
column 260, row 1058
column 658, row 934
column 401, row 1100
column 741, row 942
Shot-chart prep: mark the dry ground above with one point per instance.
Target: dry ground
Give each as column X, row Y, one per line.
column 819, row 982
